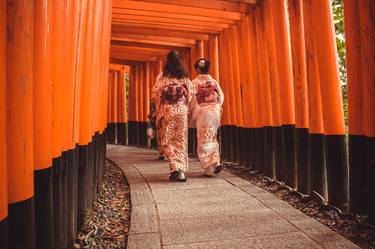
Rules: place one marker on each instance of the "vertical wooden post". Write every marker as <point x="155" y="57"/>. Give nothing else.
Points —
<point x="214" y="56"/>
<point x="43" y="178"/>
<point x="316" y="138"/>
<point x="3" y="131"/>
<point x="286" y="92"/>
<point x="300" y="93"/>
<point x="19" y="92"/>
<point x="121" y="108"/>
<point x="333" y="116"/>
<point x="268" y="166"/>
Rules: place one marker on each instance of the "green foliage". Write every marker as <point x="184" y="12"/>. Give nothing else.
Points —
<point x="338" y="17"/>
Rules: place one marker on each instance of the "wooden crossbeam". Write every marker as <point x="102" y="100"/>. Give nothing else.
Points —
<point x="173" y="8"/>
<point x="235" y="6"/>
<point x="164" y="20"/>
<point x="155" y="38"/>
<point x="156" y="25"/>
<point x="119" y="30"/>
<point x="149" y="13"/>
<point x="175" y="44"/>
<point x="146" y="45"/>
<point x="166" y="27"/>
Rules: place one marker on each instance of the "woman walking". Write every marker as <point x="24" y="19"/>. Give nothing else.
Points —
<point x="172" y="92"/>
<point x="206" y="110"/>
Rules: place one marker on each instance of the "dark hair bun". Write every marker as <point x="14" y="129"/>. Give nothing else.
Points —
<point x="203" y="65"/>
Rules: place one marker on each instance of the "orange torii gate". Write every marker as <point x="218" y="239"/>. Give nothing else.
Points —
<point x="276" y="60"/>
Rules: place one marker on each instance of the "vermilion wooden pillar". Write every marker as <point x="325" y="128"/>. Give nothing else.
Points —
<point x="287" y="106"/>
<point x="121" y="108"/>
<point x="3" y="153"/>
<point x="295" y="8"/>
<point x="267" y="132"/>
<point x="19" y="109"/>
<point x="42" y="101"/>
<point x="360" y="66"/>
<point x="318" y="182"/>
<point x="333" y="116"/>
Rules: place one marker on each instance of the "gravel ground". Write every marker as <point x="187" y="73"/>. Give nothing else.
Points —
<point x="107" y="225"/>
<point x="350" y="226"/>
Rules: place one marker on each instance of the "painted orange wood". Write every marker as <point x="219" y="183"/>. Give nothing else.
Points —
<point x="284" y="63"/>
<point x="236" y="74"/>
<point x="313" y="80"/>
<point x="86" y="90"/>
<point x="121" y="98"/>
<point x="3" y="128"/>
<point x="19" y="96"/>
<point x="214" y="56"/>
<point x="225" y="119"/>
<point x="169" y="8"/>
<point x="367" y="13"/>
<point x="253" y="30"/>
<point x="250" y="70"/>
<point x="146" y="91"/>
<point x="324" y="36"/>
<point x="270" y="33"/>
<point x="299" y="62"/>
<point x="57" y="30"/>
<point x="42" y="92"/>
<point x="265" y="82"/>
<point x="81" y="20"/>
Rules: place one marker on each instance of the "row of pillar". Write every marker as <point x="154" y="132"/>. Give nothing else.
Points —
<point x="283" y="114"/>
<point x="53" y="115"/>
<point x="117" y="105"/>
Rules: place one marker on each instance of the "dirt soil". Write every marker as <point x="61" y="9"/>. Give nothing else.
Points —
<point x="107" y="224"/>
<point x="350" y="226"/>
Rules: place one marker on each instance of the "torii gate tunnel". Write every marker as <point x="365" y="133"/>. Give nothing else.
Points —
<point x="276" y="61"/>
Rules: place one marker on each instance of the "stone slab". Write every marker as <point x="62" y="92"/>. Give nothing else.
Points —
<point x="144" y="240"/>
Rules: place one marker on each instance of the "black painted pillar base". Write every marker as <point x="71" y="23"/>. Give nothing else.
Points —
<point x="279" y="170"/>
<point x="121" y="133"/>
<point x="269" y="151"/>
<point x="251" y="148"/>
<point x="44" y="212"/>
<point x="242" y="145"/>
<point x="289" y="155"/>
<point x="259" y="150"/>
<point x="22" y="224"/>
<point x="337" y="174"/>
<point x="302" y="150"/>
<point x="82" y="184"/>
<point x="58" y="201"/>
<point x="357" y="172"/>
<point x="370" y="158"/>
<point x="223" y="142"/>
<point x="111" y="134"/>
<point x="4" y="243"/>
<point x="317" y="164"/>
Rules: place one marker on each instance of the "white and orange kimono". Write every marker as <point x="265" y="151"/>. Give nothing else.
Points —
<point x="206" y="111"/>
<point x="172" y="97"/>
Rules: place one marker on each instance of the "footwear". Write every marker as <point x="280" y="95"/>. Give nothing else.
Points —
<point x="173" y="176"/>
<point x="161" y="157"/>
<point x="181" y="176"/>
<point x="218" y="169"/>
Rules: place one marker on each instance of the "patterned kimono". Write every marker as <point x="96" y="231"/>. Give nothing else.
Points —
<point x="207" y="113"/>
<point x="172" y="97"/>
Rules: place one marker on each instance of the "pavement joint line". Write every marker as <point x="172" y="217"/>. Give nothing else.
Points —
<point x="303" y="225"/>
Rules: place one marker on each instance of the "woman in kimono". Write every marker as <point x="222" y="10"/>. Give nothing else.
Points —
<point x="206" y="112"/>
<point x="172" y="92"/>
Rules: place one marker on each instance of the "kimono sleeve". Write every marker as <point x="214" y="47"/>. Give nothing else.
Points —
<point x="220" y="92"/>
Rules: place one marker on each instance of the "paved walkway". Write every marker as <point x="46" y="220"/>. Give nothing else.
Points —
<point x="225" y="212"/>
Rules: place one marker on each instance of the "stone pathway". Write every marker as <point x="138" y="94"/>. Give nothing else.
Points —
<point x="224" y="212"/>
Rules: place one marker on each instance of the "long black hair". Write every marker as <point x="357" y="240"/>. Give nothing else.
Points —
<point x="174" y="67"/>
<point x="203" y="65"/>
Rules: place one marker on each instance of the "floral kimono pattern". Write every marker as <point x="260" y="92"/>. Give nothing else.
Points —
<point x="172" y="97"/>
<point x="207" y="113"/>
